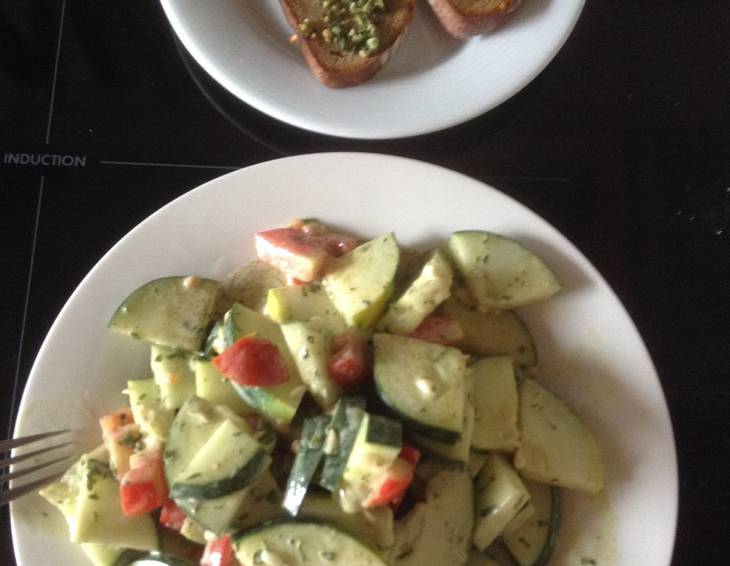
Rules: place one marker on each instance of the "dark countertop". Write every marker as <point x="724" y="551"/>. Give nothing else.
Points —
<point x="622" y="143"/>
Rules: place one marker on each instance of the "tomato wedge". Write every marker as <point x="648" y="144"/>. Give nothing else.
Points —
<point x="172" y="516"/>
<point x="300" y="251"/>
<point x="254" y="362"/>
<point x="143" y="488"/>
<point x="439" y="329"/>
<point x="398" y="477"/>
<point x="219" y="552"/>
<point x="347" y="366"/>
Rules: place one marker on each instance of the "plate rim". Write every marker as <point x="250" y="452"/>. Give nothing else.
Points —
<point x="391" y="130"/>
<point x="661" y="401"/>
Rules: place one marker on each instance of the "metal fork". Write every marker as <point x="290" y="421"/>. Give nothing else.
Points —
<point x="8" y="494"/>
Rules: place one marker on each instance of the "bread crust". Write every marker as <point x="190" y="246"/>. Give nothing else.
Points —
<point x="478" y="20"/>
<point x="343" y="71"/>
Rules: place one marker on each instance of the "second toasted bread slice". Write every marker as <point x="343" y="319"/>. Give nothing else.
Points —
<point x="466" y="18"/>
<point x="345" y="42"/>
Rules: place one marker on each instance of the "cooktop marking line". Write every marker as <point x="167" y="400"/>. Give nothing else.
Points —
<point x="55" y="72"/>
<point x="24" y="319"/>
<point x="185" y="165"/>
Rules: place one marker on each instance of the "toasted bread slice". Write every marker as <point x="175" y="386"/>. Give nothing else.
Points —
<point x="465" y="18"/>
<point x="338" y="66"/>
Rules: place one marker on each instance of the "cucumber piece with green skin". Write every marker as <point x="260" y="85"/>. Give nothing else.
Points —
<point x="555" y="446"/>
<point x="494" y="394"/>
<point x="438" y="532"/>
<point x="346" y="418"/>
<point x="500" y="495"/>
<point x="307" y="461"/>
<point x="215" y="343"/>
<point x="374" y="526"/>
<point x="452" y="454"/>
<point x="229" y="460"/>
<point x="303" y="543"/>
<point x="377" y="444"/>
<point x="500" y="272"/>
<point x="172" y="311"/>
<point x="422" y="382"/>
<point x="492" y="333"/>
<point x="310" y="346"/>
<point x="145" y="401"/>
<point x="213" y="386"/>
<point x="173" y="375"/>
<point x="423" y="295"/>
<point x="278" y="404"/>
<point x="303" y="303"/>
<point x="533" y="543"/>
<point x="361" y="282"/>
<point x="258" y="502"/>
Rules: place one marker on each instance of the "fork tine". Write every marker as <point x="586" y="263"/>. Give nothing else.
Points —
<point x="5" y="462"/>
<point x="11" y="443"/>
<point x="11" y="494"/>
<point x="26" y="471"/>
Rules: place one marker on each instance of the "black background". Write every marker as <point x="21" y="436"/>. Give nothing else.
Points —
<point x="623" y="143"/>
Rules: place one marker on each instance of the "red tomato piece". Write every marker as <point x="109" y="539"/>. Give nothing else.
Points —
<point x="396" y="480"/>
<point x="439" y="329"/>
<point x="300" y="251"/>
<point x="347" y="366"/>
<point x="219" y="552"/>
<point x="114" y="421"/>
<point x="172" y="516"/>
<point x="253" y="361"/>
<point x="143" y="488"/>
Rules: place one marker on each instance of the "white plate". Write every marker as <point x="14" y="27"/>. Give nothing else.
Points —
<point x="590" y="351"/>
<point x="431" y="82"/>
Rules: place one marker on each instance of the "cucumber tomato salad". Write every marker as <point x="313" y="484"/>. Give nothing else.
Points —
<point x="334" y="403"/>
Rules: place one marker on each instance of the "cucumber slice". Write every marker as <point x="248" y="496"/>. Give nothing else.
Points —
<point x="306" y="463"/>
<point x="452" y="454"/>
<point x="168" y="311"/>
<point x="374" y="526"/>
<point x="303" y="303"/>
<point x="211" y="385"/>
<point x="500" y="273"/>
<point x="533" y="543"/>
<point x="492" y="333"/>
<point x="303" y="543"/>
<point x="153" y="419"/>
<point x="194" y="424"/>
<point x="423" y="383"/>
<point x="377" y="445"/>
<point x="310" y="344"/>
<point x="494" y="395"/>
<point x="439" y="532"/>
<point x="229" y="460"/>
<point x="428" y="291"/>
<point x="98" y="517"/>
<point x="101" y="554"/>
<point x="278" y="404"/>
<point x="500" y="495"/>
<point x="360" y="283"/>
<point x="173" y="375"/>
<point x="258" y="502"/>
<point x="556" y="447"/>
<point x="346" y="418"/>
